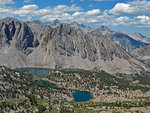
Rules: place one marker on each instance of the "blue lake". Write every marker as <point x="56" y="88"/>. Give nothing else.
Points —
<point x="127" y="79"/>
<point x="40" y="72"/>
<point x="81" y="96"/>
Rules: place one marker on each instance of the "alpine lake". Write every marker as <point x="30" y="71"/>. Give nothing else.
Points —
<point x="79" y="96"/>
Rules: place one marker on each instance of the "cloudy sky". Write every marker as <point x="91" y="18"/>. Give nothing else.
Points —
<point x="122" y="15"/>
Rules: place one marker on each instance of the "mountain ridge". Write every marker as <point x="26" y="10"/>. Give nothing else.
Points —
<point x="63" y="46"/>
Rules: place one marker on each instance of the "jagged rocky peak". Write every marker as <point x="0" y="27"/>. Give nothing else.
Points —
<point x="103" y="28"/>
<point x="18" y="33"/>
<point x="76" y="24"/>
<point x="63" y="31"/>
<point x="65" y="28"/>
<point x="54" y="23"/>
<point x="8" y="20"/>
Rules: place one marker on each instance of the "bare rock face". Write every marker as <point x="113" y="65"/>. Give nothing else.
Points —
<point x="142" y="53"/>
<point x="70" y="48"/>
<point x="23" y="36"/>
<point x="18" y="34"/>
<point x="4" y="34"/>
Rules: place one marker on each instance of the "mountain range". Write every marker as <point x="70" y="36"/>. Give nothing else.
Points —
<point x="129" y="42"/>
<point x="37" y="44"/>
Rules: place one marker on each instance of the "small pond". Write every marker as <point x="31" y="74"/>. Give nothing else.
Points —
<point x="81" y="96"/>
<point x="40" y="72"/>
<point x="127" y="79"/>
<point x="46" y="83"/>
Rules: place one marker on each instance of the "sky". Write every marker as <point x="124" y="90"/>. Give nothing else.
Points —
<point x="129" y="16"/>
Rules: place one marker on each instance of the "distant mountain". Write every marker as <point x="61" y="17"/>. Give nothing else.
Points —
<point x="22" y="45"/>
<point x="54" y="23"/>
<point x="140" y="37"/>
<point x="80" y="27"/>
<point x="102" y="30"/>
<point x="125" y="41"/>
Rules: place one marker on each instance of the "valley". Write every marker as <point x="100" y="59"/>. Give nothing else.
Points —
<point x="72" y="68"/>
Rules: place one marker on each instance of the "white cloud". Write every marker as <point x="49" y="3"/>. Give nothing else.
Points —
<point x="89" y="16"/>
<point x="64" y="8"/>
<point x="93" y="12"/>
<point x="143" y="18"/>
<point x="139" y="21"/>
<point x="26" y="10"/>
<point x="137" y="7"/>
<point x="3" y="2"/>
<point x="123" y="9"/>
<point x="5" y="10"/>
<point x="29" y="7"/>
